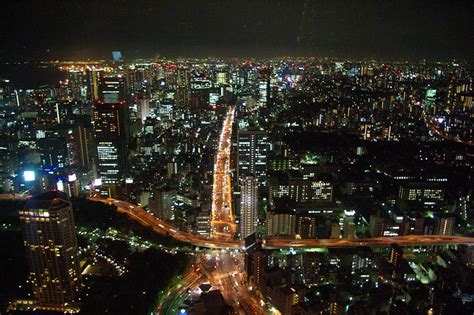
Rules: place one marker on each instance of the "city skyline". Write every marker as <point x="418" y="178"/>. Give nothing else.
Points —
<point x="264" y="182"/>
<point x="237" y="157"/>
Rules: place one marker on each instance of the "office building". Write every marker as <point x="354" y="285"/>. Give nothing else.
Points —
<point x="264" y="92"/>
<point x="51" y="250"/>
<point x="252" y="154"/>
<point x="111" y="130"/>
<point x="300" y="190"/>
<point x="258" y="265"/>
<point x="80" y="143"/>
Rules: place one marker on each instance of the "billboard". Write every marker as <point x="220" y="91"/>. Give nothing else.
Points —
<point x="29" y="176"/>
<point x="117" y="55"/>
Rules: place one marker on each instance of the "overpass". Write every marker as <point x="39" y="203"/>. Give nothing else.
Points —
<point x="141" y="216"/>
<point x="406" y="240"/>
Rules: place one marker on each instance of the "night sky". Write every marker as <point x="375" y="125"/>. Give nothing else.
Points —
<point x="412" y="29"/>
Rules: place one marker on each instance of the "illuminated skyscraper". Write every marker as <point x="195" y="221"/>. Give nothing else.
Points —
<point x="91" y="81"/>
<point x="80" y="142"/>
<point x="252" y="154"/>
<point x="248" y="206"/>
<point x="8" y="96"/>
<point x="183" y="87"/>
<point x="51" y="250"/>
<point x="445" y="226"/>
<point x="395" y="255"/>
<point x="111" y="116"/>
<point x="76" y="86"/>
<point x="430" y="101"/>
<point x="264" y="92"/>
<point x="143" y="108"/>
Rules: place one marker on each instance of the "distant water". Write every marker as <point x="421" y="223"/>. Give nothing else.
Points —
<point x="29" y="76"/>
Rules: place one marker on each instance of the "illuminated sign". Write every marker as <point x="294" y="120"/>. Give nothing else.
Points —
<point x="349" y="213"/>
<point x="117" y="55"/>
<point x="60" y="185"/>
<point x="72" y="178"/>
<point x="29" y="176"/>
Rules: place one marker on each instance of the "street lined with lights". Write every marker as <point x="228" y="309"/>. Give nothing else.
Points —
<point x="222" y="216"/>
<point x="141" y="216"/>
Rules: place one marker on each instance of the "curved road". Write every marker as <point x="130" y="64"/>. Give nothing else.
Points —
<point x="139" y="214"/>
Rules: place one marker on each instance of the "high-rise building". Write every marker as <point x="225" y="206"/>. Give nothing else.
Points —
<point x="91" y="81"/>
<point x="264" y="92"/>
<point x="221" y="78"/>
<point x="72" y="186"/>
<point x="248" y="206"/>
<point x="80" y="143"/>
<point x="252" y="154"/>
<point x="111" y="116"/>
<point x="183" y="87"/>
<point x="258" y="264"/>
<point x="143" y="108"/>
<point x="164" y="204"/>
<point x="6" y="152"/>
<point x="51" y="250"/>
<point x="75" y="84"/>
<point x="112" y="89"/>
<point x="199" y="93"/>
<point x="8" y="96"/>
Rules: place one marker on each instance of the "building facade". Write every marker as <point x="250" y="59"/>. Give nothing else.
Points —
<point x="248" y="206"/>
<point x="111" y="129"/>
<point x="51" y="250"/>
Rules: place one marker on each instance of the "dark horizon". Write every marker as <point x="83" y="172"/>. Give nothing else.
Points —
<point x="411" y="30"/>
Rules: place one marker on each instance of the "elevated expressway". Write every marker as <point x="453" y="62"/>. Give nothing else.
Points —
<point x="140" y="215"/>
